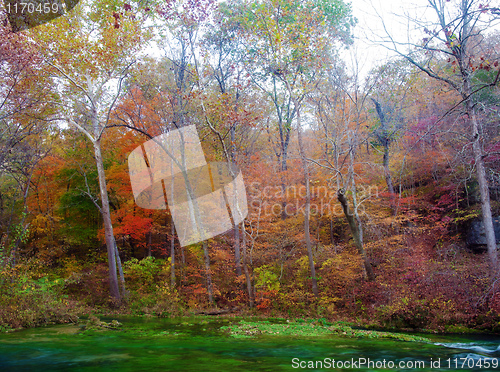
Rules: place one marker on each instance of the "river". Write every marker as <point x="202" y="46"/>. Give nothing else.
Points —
<point x="153" y="344"/>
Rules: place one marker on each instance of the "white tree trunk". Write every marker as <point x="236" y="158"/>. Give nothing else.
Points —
<point x="108" y="226"/>
<point x="485" y="195"/>
<point x="307" y="208"/>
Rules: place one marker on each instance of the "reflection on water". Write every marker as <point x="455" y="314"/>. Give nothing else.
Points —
<point x="198" y="345"/>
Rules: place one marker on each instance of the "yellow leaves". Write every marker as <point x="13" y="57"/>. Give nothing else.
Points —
<point x="87" y="41"/>
<point x="290" y="32"/>
<point x="41" y="224"/>
<point x="303" y="263"/>
<point x="267" y="277"/>
<point x="329" y="303"/>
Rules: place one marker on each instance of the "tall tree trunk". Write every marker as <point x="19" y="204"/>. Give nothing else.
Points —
<point x="108" y="226"/>
<point x="385" y="140"/>
<point x="356" y="234"/>
<point x="387" y="172"/>
<point x="149" y="238"/>
<point x="248" y="280"/>
<point x="484" y="191"/>
<point x="120" y="271"/>
<point x="237" y="249"/>
<point x="208" y="273"/>
<point x="332" y="239"/>
<point x="21" y="233"/>
<point x="196" y="219"/>
<point x="307" y="206"/>
<point x="485" y="195"/>
<point x="283" y="184"/>
<point x="182" y="267"/>
<point x="172" y="234"/>
<point x="284" y="132"/>
<point x="236" y="229"/>
<point x="172" y="253"/>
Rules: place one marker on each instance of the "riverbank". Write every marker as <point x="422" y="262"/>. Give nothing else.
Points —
<point x="31" y="299"/>
<point x="50" y="311"/>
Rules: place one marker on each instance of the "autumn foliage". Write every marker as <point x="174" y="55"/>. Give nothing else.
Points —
<point x="238" y="79"/>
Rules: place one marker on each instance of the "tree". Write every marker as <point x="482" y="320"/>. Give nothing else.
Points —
<point x="451" y="52"/>
<point x="25" y="113"/>
<point x="282" y="40"/>
<point x="181" y="22"/>
<point x="89" y="52"/>
<point x="391" y="86"/>
<point x="288" y="43"/>
<point x="230" y="107"/>
<point x="342" y="117"/>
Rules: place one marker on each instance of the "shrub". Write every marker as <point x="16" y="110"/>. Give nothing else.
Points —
<point x="28" y="302"/>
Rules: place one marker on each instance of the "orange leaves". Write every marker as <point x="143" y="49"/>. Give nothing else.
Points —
<point x="137" y="110"/>
<point x="119" y="180"/>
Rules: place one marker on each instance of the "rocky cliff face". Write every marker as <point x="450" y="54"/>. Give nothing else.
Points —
<point x="476" y="238"/>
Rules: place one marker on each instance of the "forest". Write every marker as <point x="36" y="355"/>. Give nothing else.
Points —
<point x="373" y="197"/>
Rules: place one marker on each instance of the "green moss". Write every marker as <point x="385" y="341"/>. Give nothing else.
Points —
<point x="95" y="324"/>
<point x="459" y="329"/>
<point x="300" y="328"/>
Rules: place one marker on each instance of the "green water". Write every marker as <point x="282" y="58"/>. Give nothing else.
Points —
<point x="198" y="345"/>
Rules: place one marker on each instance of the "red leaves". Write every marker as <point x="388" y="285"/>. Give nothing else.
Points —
<point x="191" y="12"/>
<point x="116" y="17"/>
<point x="134" y="226"/>
<point x="484" y="64"/>
<point x="484" y="8"/>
